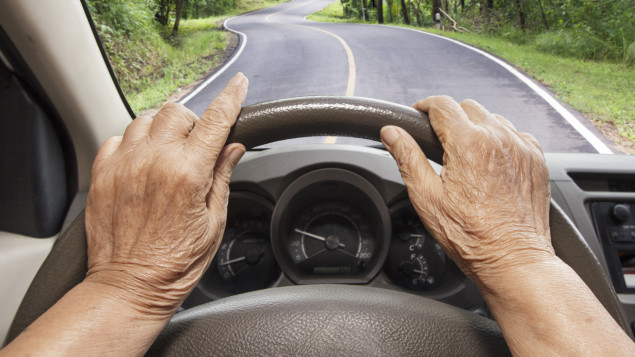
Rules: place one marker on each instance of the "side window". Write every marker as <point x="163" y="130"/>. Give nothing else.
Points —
<point x="159" y="49"/>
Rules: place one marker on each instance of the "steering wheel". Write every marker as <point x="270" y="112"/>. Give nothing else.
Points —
<point x="321" y="319"/>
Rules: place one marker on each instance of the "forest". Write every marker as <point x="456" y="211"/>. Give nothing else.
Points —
<point x="586" y="29"/>
<point x="584" y="50"/>
<point x="156" y="47"/>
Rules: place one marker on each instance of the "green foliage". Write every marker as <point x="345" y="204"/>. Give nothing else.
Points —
<point x="580" y="44"/>
<point x="148" y="62"/>
<point x="587" y="29"/>
<point x="600" y="90"/>
<point x="119" y="17"/>
<point x="205" y="8"/>
<point x="629" y="56"/>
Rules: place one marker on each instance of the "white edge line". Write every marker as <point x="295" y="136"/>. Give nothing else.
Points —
<point x="570" y="118"/>
<point x="235" y="56"/>
<point x="243" y="42"/>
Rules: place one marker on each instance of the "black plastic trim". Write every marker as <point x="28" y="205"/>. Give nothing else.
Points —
<point x="105" y="57"/>
<point x="34" y="89"/>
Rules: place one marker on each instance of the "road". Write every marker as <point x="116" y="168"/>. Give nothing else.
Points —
<point x="284" y="56"/>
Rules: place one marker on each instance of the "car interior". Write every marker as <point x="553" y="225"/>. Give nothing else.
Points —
<point x="315" y="232"/>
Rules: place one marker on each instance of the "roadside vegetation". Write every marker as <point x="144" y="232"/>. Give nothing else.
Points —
<point x="155" y="47"/>
<point x="583" y="49"/>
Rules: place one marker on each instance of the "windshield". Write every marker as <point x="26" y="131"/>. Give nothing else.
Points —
<point x="554" y="70"/>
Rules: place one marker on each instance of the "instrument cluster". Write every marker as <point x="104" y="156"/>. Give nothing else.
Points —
<point x="327" y="226"/>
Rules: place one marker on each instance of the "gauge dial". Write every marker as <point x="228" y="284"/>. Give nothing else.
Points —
<point x="415" y="261"/>
<point x="331" y="238"/>
<point x="245" y="259"/>
<point x="330" y="226"/>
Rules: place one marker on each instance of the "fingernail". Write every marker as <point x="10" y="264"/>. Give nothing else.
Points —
<point x="236" y="154"/>
<point x="237" y="80"/>
<point x="389" y="135"/>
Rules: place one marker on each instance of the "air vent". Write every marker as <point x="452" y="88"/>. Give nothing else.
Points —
<point x="604" y="182"/>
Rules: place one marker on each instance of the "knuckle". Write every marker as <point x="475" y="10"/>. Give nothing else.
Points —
<point x="173" y="107"/>
<point x="219" y="117"/>
<point x="470" y="103"/>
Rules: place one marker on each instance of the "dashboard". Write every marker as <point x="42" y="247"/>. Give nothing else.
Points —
<point x="340" y="214"/>
<point x="327" y="214"/>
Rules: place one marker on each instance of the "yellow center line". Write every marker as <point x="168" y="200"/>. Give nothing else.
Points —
<point x="352" y="69"/>
<point x="350" y="87"/>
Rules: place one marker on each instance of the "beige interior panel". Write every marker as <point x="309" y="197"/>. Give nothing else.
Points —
<point x="55" y="40"/>
<point x="20" y="259"/>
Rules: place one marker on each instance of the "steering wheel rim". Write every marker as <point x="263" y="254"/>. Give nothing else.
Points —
<point x="263" y="123"/>
<point x="266" y="122"/>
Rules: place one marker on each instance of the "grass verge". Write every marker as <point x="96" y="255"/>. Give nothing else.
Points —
<point x="603" y="91"/>
<point x="152" y="67"/>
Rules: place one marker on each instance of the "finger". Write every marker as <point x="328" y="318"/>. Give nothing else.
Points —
<point x="136" y="131"/>
<point x="478" y="114"/>
<point x="212" y="129"/>
<point x="173" y="121"/>
<point x="219" y="193"/>
<point x="531" y="140"/>
<point x="107" y="149"/>
<point x="501" y="119"/>
<point x="446" y="117"/>
<point x="423" y="184"/>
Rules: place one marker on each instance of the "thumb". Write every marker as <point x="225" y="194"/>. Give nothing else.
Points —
<point x="218" y="195"/>
<point x="424" y="185"/>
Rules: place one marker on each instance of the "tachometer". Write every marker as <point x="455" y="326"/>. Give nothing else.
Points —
<point x="245" y="259"/>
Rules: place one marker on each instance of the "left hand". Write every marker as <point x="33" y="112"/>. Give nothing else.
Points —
<point x="157" y="204"/>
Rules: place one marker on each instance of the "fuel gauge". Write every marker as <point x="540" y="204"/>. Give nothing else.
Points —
<point x="415" y="261"/>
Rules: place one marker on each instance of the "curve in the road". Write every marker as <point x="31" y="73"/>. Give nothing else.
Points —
<point x="570" y="118"/>
<point x="241" y="47"/>
<point x="401" y="68"/>
<point x="352" y="70"/>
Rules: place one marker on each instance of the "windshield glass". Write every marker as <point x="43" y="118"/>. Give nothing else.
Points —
<point x="561" y="70"/>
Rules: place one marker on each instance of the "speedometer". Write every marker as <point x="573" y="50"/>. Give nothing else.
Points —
<point x="330" y="226"/>
<point x="331" y="238"/>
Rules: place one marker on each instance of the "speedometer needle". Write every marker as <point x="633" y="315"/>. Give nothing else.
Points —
<point x="236" y="260"/>
<point x="315" y="236"/>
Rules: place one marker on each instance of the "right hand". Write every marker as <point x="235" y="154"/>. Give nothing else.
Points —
<point x="489" y="208"/>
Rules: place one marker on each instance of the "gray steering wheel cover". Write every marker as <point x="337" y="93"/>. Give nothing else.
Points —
<point x="329" y="320"/>
<point x="65" y="267"/>
<point x="264" y="123"/>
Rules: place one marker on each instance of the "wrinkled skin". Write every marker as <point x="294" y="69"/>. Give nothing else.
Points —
<point x="489" y="208"/>
<point x="157" y="203"/>
<point x="156" y="212"/>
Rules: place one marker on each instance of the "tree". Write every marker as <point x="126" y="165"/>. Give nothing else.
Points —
<point x="416" y="9"/>
<point x="389" y="8"/>
<point x="380" y="11"/>
<point x="404" y="12"/>
<point x="544" y="18"/>
<point x="436" y="4"/>
<point x="163" y="11"/>
<point x="177" y="15"/>
<point x="521" y="15"/>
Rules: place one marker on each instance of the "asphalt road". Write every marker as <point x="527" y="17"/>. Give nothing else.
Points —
<point x="286" y="56"/>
